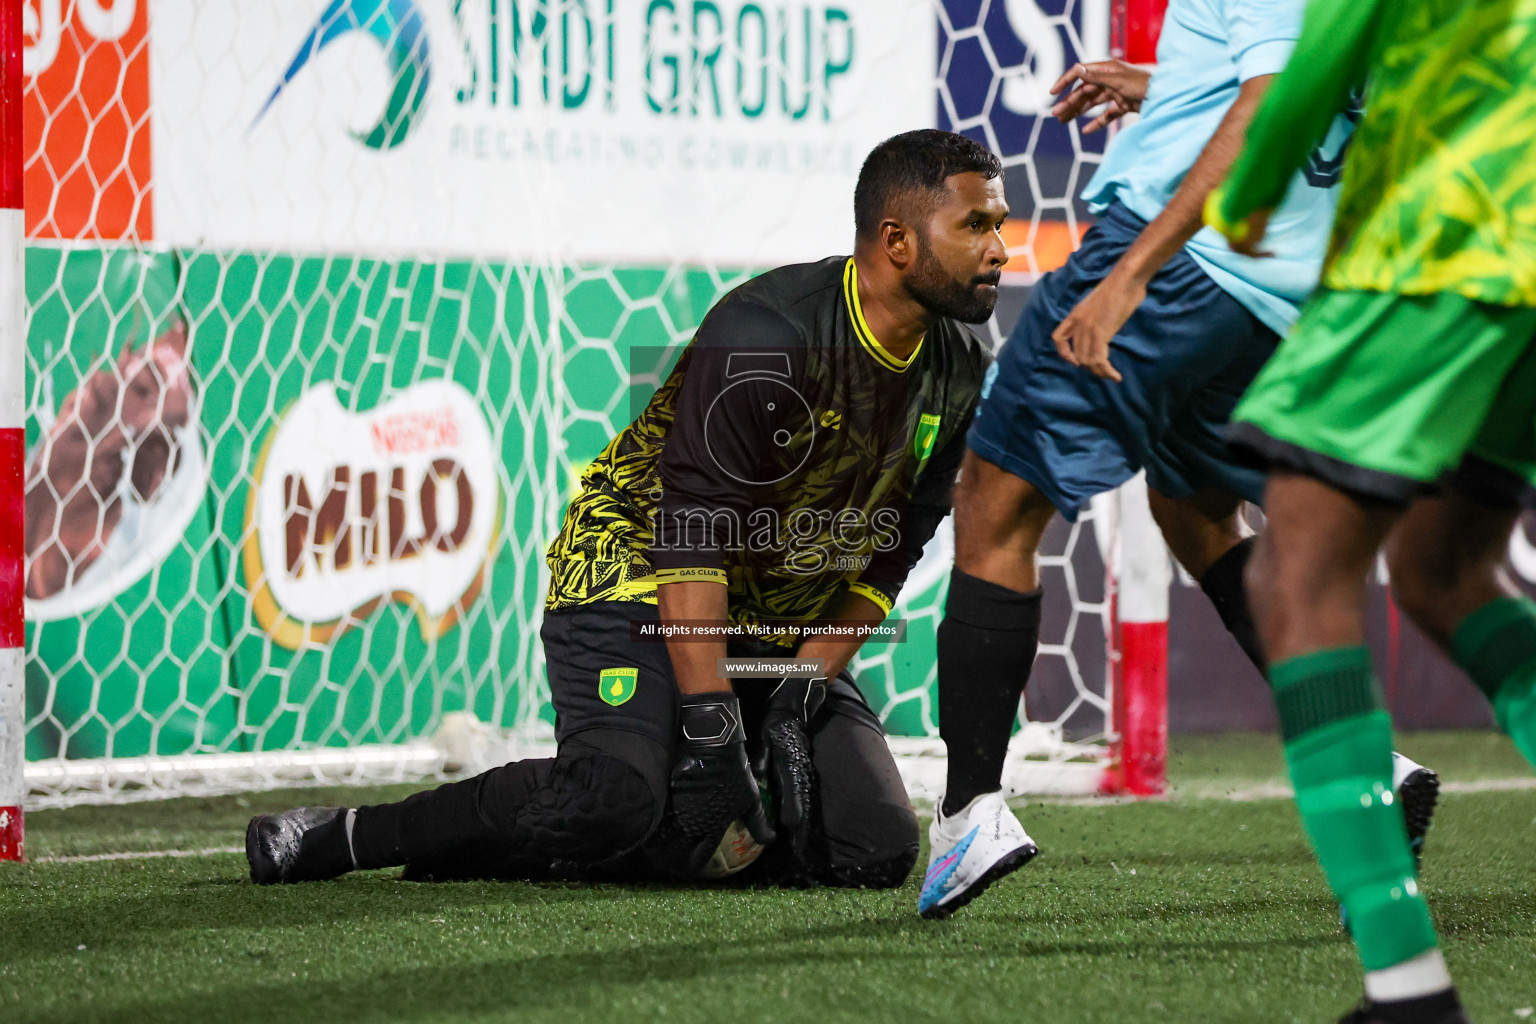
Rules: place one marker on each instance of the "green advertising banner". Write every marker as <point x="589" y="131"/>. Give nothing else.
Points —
<point x="125" y="651"/>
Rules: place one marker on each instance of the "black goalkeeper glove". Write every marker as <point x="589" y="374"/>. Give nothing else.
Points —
<point x="785" y="760"/>
<point x="712" y="784"/>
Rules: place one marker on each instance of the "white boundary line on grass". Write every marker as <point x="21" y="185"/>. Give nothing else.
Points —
<point x="93" y="858"/>
<point x="1277" y="791"/>
<point x="1247" y="795"/>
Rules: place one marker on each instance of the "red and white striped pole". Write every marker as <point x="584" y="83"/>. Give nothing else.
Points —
<point x="1143" y="574"/>
<point x="1139" y="562"/>
<point x="12" y="438"/>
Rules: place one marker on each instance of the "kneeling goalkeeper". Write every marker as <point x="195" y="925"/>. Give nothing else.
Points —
<point x="787" y="474"/>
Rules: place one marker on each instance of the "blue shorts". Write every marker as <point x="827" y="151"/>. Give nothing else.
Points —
<point x="1186" y="356"/>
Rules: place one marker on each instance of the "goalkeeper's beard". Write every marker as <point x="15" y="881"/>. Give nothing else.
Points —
<point x="942" y="295"/>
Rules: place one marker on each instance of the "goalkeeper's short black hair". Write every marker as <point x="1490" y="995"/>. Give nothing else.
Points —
<point x="910" y="169"/>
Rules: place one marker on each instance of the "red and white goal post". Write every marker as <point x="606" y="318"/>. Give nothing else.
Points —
<point x="1144" y="570"/>
<point x="12" y="443"/>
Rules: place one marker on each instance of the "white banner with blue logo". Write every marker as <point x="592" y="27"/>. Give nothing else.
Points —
<point x="719" y="131"/>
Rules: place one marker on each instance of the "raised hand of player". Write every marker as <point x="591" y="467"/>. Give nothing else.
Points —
<point x="1245" y="236"/>
<point x="786" y="758"/>
<point x="1249" y="238"/>
<point x="1083" y="337"/>
<point x="712" y="783"/>
<point x="1118" y="86"/>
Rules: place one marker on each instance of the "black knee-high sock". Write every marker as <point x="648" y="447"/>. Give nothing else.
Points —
<point x="987" y="645"/>
<point x="1223" y="584"/>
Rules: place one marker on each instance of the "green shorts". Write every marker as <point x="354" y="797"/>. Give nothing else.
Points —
<point x="1389" y="395"/>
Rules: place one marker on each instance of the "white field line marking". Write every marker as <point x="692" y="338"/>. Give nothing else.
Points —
<point x="1280" y="791"/>
<point x="1487" y="785"/>
<point x="93" y="858"/>
<point x="1267" y="791"/>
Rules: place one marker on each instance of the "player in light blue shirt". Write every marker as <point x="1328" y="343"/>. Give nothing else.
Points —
<point x="1130" y="357"/>
<point x="1206" y="51"/>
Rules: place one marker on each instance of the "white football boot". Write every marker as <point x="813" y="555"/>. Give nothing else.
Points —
<point x="1418" y="790"/>
<point x="970" y="850"/>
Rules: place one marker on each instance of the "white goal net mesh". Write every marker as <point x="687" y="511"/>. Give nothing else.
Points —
<point x="330" y="301"/>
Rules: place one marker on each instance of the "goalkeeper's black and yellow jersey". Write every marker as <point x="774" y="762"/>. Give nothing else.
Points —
<point x="787" y="455"/>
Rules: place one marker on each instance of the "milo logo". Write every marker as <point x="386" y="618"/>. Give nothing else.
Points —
<point x="348" y="510"/>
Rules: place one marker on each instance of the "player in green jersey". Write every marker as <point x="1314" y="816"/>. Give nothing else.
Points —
<point x="1403" y="404"/>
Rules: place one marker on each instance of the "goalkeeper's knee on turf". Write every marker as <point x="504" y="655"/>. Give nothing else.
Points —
<point x="1496" y="646"/>
<point x="1338" y="743"/>
<point x="594" y="807"/>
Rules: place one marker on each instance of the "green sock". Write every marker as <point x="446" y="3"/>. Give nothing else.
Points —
<point x="1338" y="743"/>
<point x="1496" y="645"/>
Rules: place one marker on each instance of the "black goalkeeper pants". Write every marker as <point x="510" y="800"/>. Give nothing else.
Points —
<point x="591" y="809"/>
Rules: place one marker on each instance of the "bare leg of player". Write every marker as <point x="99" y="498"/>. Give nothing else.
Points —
<point x="987" y="645"/>
<point x="1447" y="561"/>
<point x="1207" y="534"/>
<point x="1201" y="528"/>
<point x="1307" y="585"/>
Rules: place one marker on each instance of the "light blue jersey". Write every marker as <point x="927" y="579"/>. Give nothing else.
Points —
<point x="1207" y="49"/>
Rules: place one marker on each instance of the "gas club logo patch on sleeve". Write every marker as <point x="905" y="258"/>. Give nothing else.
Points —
<point x="617" y="685"/>
<point x="349" y="510"/>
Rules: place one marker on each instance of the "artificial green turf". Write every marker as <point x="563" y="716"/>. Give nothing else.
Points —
<point x="1180" y="910"/>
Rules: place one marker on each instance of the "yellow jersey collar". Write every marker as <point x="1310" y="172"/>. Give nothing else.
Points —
<point x="861" y="328"/>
